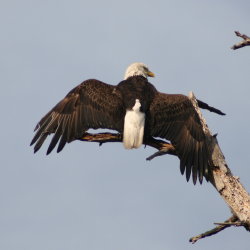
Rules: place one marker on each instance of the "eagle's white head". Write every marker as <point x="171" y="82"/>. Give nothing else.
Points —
<point x="138" y="69"/>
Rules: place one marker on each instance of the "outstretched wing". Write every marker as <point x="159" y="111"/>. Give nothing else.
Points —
<point x="174" y="118"/>
<point x="92" y="104"/>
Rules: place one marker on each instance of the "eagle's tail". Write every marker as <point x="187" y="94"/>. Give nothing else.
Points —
<point x="133" y="127"/>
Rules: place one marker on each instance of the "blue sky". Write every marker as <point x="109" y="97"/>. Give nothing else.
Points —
<point x="91" y="197"/>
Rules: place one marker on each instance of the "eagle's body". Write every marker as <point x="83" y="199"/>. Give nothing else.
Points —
<point x="137" y="94"/>
<point x="134" y="108"/>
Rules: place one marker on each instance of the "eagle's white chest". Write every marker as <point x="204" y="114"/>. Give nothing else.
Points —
<point x="133" y="127"/>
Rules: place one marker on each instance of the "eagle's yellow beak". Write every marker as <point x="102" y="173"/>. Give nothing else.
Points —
<point x="150" y="74"/>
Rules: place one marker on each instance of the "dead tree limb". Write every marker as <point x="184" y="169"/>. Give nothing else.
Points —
<point x="243" y="43"/>
<point x="228" y="186"/>
<point x="163" y="146"/>
<point x="215" y="230"/>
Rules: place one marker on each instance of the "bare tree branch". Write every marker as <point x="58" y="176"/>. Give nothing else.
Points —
<point x="163" y="146"/>
<point x="215" y="230"/>
<point x="228" y="186"/>
<point x="243" y="43"/>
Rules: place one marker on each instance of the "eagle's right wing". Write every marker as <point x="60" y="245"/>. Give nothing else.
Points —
<point x="173" y="117"/>
<point x="92" y="104"/>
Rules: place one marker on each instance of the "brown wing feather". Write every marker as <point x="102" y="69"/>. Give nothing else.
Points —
<point x="174" y="118"/>
<point x="92" y="104"/>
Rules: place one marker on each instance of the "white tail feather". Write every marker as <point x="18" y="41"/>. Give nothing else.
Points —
<point x="133" y="127"/>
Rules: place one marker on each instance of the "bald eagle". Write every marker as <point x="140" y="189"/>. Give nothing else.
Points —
<point x="137" y="110"/>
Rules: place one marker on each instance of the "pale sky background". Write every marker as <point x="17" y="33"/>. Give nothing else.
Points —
<point x="108" y="198"/>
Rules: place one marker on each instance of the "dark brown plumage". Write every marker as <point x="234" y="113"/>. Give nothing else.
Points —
<point x="173" y="117"/>
<point x="94" y="104"/>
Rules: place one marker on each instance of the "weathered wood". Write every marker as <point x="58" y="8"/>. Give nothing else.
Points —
<point x="228" y="186"/>
<point x="163" y="146"/>
<point x="243" y="43"/>
<point x="215" y="230"/>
